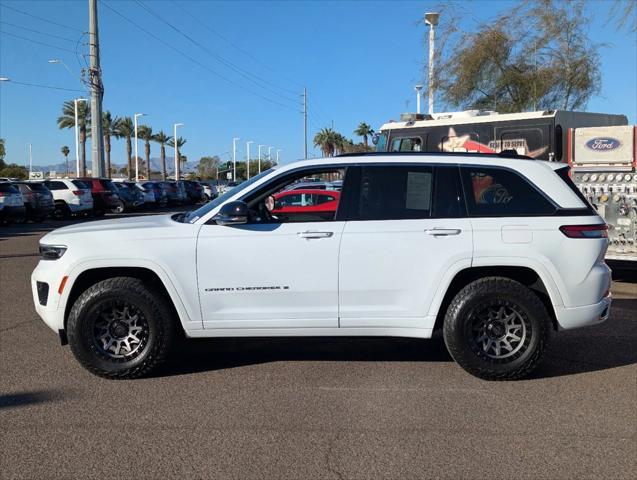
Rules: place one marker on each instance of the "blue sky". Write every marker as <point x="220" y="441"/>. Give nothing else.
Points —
<point x="359" y="61"/>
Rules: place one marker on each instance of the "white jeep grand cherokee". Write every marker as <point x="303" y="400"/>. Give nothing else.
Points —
<point x="495" y="251"/>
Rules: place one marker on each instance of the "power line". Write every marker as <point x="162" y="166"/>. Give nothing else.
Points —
<point x="247" y="75"/>
<point x="43" y="86"/>
<point x="40" y="18"/>
<point x="245" y="52"/>
<point x="38" y="32"/>
<point x="194" y="60"/>
<point x="35" y="41"/>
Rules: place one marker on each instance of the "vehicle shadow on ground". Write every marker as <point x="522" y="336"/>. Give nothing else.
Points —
<point x="23" y="399"/>
<point x="605" y="346"/>
<point x="191" y="356"/>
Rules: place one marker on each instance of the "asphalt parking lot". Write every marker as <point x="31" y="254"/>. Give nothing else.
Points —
<point x="312" y="408"/>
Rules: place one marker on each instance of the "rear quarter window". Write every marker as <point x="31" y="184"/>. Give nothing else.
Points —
<point x="56" y="185"/>
<point x="499" y="192"/>
<point x="8" y="188"/>
<point x="80" y="184"/>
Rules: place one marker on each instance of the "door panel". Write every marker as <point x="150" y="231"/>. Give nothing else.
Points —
<point x="269" y="275"/>
<point x="390" y="269"/>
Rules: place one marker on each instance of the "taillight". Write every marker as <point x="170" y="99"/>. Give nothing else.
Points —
<point x="77" y="192"/>
<point x="585" y="231"/>
<point x="2" y="194"/>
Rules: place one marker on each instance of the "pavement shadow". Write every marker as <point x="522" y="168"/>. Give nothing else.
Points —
<point x="23" y="399"/>
<point x="192" y="356"/>
<point x="601" y="347"/>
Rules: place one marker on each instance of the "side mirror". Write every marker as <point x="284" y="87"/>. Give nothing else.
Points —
<point x="232" y="213"/>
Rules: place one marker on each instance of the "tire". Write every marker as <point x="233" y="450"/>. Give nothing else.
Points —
<point x="97" y="339"/>
<point x="120" y="207"/>
<point x="62" y="211"/>
<point x="496" y="329"/>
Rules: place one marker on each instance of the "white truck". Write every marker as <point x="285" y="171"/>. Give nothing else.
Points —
<point x="415" y="243"/>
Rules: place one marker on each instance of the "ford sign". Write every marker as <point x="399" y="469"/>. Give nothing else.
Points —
<point x="603" y="144"/>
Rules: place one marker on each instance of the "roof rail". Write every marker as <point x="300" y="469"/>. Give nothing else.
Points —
<point x="503" y="154"/>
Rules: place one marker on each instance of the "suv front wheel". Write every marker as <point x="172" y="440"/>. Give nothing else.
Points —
<point x="119" y="328"/>
<point x="496" y="329"/>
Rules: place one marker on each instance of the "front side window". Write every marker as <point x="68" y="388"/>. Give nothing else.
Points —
<point x="393" y="193"/>
<point x="500" y="192"/>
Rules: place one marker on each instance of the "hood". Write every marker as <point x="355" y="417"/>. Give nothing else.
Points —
<point x="111" y="228"/>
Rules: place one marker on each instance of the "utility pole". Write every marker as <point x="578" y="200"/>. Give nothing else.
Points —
<point x="431" y="19"/>
<point x="277" y="154"/>
<point x="248" y="158"/>
<point x="136" y="154"/>
<point x="97" y="93"/>
<point x="305" y="123"/>
<point x="234" y="158"/>
<point x="260" y="146"/>
<point x="30" y="161"/>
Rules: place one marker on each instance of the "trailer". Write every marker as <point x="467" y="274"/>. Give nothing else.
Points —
<point x="600" y="148"/>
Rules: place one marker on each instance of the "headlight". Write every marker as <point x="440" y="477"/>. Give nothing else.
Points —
<point x="51" y="252"/>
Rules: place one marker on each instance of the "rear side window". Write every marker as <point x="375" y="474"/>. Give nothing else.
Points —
<point x="563" y="173"/>
<point x="393" y="193"/>
<point x="8" y="188"/>
<point x="56" y="185"/>
<point x="498" y="192"/>
<point x="448" y="201"/>
<point x="38" y="187"/>
<point x="107" y="184"/>
<point x="80" y="184"/>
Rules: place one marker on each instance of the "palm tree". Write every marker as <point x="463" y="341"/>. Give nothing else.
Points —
<point x="65" y="151"/>
<point x="180" y="143"/>
<point x="146" y="134"/>
<point x="162" y="139"/>
<point x="67" y="120"/>
<point x="364" y="131"/>
<point x="108" y="129"/>
<point x="124" y="128"/>
<point x="328" y="141"/>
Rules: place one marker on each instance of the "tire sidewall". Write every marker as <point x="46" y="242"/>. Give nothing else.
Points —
<point x="81" y="338"/>
<point x="458" y="325"/>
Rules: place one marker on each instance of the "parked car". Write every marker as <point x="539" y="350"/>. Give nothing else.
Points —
<point x="306" y="205"/>
<point x="174" y="194"/>
<point x="105" y="198"/>
<point x="193" y="190"/>
<point x="316" y="186"/>
<point x="11" y="203"/>
<point x="129" y="197"/>
<point x="38" y="200"/>
<point x="210" y="190"/>
<point x="154" y="193"/>
<point x="424" y="242"/>
<point x="70" y="197"/>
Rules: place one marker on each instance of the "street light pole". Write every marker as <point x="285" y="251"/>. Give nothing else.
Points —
<point x="234" y="158"/>
<point x="431" y="19"/>
<point x="30" y="162"/>
<point x="277" y="154"/>
<point x="136" y="156"/>
<point x="260" y="146"/>
<point x="418" y="88"/>
<point x="269" y="154"/>
<point x="77" y="140"/>
<point x="248" y="158"/>
<point x="177" y="173"/>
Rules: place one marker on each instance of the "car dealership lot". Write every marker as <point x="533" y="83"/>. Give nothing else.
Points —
<point x="312" y="408"/>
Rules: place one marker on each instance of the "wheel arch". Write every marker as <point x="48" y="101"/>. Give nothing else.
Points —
<point x="525" y="275"/>
<point x="89" y="276"/>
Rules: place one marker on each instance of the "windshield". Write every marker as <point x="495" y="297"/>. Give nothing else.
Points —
<point x="195" y="215"/>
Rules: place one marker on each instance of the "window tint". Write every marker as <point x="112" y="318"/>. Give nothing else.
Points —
<point x="107" y="184"/>
<point x="448" y="202"/>
<point x="393" y="193"/>
<point x="80" y="184"/>
<point x="8" y="188"/>
<point x="500" y="192"/>
<point x="325" y="198"/>
<point x="56" y="186"/>
<point x="38" y="187"/>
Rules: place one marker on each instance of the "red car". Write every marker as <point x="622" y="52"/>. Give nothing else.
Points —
<point x="306" y="205"/>
<point x="104" y="194"/>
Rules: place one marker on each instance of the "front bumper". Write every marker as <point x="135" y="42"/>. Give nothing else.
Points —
<point x="48" y="272"/>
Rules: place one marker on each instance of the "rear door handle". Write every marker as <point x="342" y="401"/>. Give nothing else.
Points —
<point x="315" y="234"/>
<point x="443" y="232"/>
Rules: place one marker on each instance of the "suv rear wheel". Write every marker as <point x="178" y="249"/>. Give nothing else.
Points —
<point x="118" y="328"/>
<point x="496" y="329"/>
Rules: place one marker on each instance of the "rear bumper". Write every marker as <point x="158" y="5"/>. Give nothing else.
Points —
<point x="576" y="317"/>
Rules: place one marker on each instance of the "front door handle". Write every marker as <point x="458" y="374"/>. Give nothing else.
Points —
<point x="443" y="232"/>
<point x="315" y="234"/>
